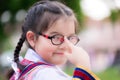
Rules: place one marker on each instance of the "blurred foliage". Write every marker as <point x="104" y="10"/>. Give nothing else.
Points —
<point x="115" y="15"/>
<point x="75" y="6"/>
<point x="111" y="73"/>
<point x="13" y="6"/>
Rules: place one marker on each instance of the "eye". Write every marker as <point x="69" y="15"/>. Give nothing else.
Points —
<point x="58" y="38"/>
<point x="74" y="39"/>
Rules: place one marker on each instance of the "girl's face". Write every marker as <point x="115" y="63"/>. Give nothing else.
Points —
<point x="55" y="54"/>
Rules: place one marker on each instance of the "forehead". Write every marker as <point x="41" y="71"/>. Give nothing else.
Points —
<point x="64" y="25"/>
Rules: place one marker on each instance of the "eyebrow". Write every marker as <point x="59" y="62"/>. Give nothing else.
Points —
<point x="60" y="33"/>
<point x="54" y="33"/>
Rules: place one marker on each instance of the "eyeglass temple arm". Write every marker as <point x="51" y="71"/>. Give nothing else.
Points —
<point x="46" y="36"/>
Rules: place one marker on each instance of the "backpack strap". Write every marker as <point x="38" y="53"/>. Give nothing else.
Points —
<point x="29" y="67"/>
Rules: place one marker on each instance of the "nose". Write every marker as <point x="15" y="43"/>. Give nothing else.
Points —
<point x="66" y="45"/>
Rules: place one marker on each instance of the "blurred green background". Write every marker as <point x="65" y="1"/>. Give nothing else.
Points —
<point x="99" y="31"/>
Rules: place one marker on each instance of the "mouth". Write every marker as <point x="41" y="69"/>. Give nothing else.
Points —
<point x="59" y="53"/>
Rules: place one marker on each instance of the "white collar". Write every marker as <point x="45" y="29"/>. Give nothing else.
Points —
<point x="33" y="56"/>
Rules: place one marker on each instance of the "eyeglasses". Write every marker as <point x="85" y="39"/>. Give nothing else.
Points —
<point x="58" y="39"/>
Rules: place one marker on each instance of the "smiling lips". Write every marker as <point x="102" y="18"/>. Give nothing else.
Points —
<point x="59" y="53"/>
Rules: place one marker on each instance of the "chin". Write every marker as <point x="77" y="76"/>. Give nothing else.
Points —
<point x="61" y="62"/>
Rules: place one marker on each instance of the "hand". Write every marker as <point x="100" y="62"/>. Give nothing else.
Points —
<point x="78" y="56"/>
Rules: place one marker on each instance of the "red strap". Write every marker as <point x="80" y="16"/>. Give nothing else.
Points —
<point x="31" y="66"/>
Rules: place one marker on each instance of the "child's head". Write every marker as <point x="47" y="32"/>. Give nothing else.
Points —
<point x="48" y="27"/>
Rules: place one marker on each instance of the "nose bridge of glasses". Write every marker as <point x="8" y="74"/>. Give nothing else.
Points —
<point x="62" y="39"/>
<point x="66" y="39"/>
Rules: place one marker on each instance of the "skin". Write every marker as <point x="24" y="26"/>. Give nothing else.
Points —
<point x="61" y="53"/>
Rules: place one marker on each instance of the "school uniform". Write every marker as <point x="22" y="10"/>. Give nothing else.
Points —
<point x="48" y="71"/>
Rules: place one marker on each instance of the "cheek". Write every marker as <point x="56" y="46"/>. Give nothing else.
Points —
<point x="45" y="47"/>
<point x="46" y="52"/>
<point x="48" y="49"/>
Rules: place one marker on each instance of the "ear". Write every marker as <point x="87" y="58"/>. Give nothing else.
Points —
<point x="31" y="38"/>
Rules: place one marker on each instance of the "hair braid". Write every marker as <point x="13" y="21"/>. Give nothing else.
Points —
<point x="18" y="48"/>
<point x="16" y="56"/>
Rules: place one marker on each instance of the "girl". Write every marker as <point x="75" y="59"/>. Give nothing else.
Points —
<point x="50" y="31"/>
